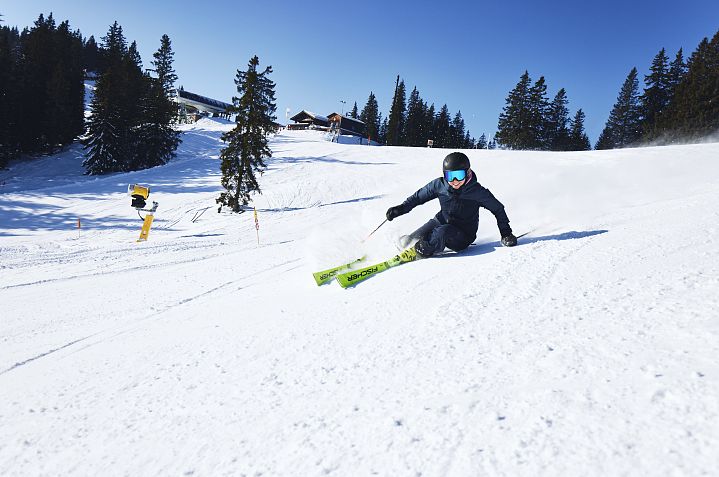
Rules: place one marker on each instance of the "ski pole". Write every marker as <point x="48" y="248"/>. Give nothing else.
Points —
<point x="375" y="230"/>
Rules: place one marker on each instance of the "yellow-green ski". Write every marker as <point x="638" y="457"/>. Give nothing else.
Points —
<point x="353" y="277"/>
<point x="325" y="276"/>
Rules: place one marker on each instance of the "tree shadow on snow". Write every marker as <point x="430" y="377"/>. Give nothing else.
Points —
<point x="482" y="248"/>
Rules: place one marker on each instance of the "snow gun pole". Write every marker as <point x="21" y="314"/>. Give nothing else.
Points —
<point x="375" y="230"/>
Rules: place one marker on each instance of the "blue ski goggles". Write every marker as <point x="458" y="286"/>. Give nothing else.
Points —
<point x="459" y="175"/>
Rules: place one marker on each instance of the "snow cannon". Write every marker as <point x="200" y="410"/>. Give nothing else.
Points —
<point x="139" y="194"/>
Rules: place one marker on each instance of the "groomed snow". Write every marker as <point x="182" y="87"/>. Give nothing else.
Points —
<point x="589" y="349"/>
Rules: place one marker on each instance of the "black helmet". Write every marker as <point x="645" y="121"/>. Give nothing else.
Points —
<point x="455" y="161"/>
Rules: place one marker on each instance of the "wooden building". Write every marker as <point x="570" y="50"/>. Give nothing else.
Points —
<point x="346" y="125"/>
<point x="309" y="120"/>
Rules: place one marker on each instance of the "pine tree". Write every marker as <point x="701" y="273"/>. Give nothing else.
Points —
<point x="157" y="138"/>
<point x="456" y="132"/>
<point x="10" y="95"/>
<point x="442" y="137"/>
<point x="657" y="93"/>
<point x="397" y="115"/>
<point x="694" y="110"/>
<point x="513" y="129"/>
<point x="677" y="72"/>
<point x="382" y="133"/>
<point x="482" y="142"/>
<point x="557" y="133"/>
<point x="354" y="114"/>
<point x="110" y="142"/>
<point x="415" y="134"/>
<point x="64" y="116"/>
<point x="428" y="126"/>
<point x="623" y="126"/>
<point x="91" y="55"/>
<point x="371" y="118"/>
<point x="538" y="111"/>
<point x="469" y="142"/>
<point x="247" y="143"/>
<point x="578" y="140"/>
<point x="37" y="66"/>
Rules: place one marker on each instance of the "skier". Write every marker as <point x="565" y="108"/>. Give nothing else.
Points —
<point x="460" y="197"/>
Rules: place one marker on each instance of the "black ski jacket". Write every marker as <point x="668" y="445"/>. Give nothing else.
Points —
<point x="461" y="207"/>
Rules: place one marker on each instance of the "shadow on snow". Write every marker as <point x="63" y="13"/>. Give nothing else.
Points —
<point x="481" y="249"/>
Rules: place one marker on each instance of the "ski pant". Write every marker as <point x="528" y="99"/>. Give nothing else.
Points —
<point x="438" y="236"/>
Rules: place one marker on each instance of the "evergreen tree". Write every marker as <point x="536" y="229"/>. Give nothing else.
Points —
<point x="247" y="144"/>
<point x="64" y="117"/>
<point x="456" y="132"/>
<point x="37" y="66"/>
<point x="624" y="123"/>
<point x="157" y="138"/>
<point x="578" y="140"/>
<point x="442" y="137"/>
<point x="397" y="115"/>
<point x="415" y="134"/>
<point x="677" y="72"/>
<point x="538" y="113"/>
<point x="382" y="134"/>
<point x="91" y="55"/>
<point x="109" y="142"/>
<point x="371" y="118"/>
<point x="354" y="114"/>
<point x="557" y="132"/>
<point x="469" y="142"/>
<point x="428" y="126"/>
<point x="694" y="110"/>
<point x="482" y="142"/>
<point x="9" y="95"/>
<point x="657" y="92"/>
<point x="513" y="129"/>
<point x="492" y="144"/>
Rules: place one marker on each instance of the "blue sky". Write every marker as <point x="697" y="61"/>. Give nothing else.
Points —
<point x="468" y="55"/>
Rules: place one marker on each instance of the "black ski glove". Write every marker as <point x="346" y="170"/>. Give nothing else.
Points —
<point x="509" y="240"/>
<point x="396" y="211"/>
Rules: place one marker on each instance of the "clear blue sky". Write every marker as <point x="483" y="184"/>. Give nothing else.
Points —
<point x="468" y="55"/>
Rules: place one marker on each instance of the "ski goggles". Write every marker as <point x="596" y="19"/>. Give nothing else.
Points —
<point x="459" y="175"/>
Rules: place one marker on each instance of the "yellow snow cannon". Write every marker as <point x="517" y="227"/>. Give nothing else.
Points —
<point x="139" y="194"/>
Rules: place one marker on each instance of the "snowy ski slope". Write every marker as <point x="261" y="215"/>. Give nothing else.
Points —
<point x="589" y="349"/>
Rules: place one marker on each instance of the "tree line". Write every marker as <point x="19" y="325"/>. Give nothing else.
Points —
<point x="529" y="121"/>
<point x="42" y="97"/>
<point x="41" y="88"/>
<point x="130" y="126"/>
<point x="679" y="103"/>
<point x="411" y="122"/>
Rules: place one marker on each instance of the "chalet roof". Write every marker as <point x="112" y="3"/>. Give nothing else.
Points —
<point x="346" y="118"/>
<point x="304" y="114"/>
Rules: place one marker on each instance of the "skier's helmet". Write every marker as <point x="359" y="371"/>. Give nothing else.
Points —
<point x="455" y="161"/>
<point x="455" y="166"/>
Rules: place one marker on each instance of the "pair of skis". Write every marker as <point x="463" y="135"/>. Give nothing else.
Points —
<point x="347" y="276"/>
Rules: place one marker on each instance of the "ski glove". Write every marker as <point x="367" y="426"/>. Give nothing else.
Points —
<point x="509" y="240"/>
<point x="396" y="211"/>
